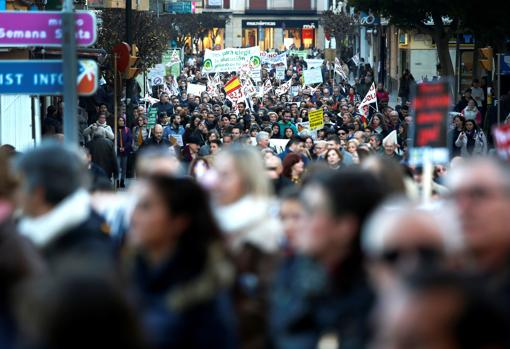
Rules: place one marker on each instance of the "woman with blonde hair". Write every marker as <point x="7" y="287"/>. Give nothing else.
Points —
<point x="243" y="206"/>
<point x="352" y="148"/>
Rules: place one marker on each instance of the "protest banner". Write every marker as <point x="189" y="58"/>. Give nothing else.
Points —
<point x="273" y="58"/>
<point x="370" y="98"/>
<point x="300" y="54"/>
<point x="284" y="88"/>
<point x="195" y="89"/>
<point x="152" y="117"/>
<point x="280" y="72"/>
<point x="314" y="63"/>
<point x="231" y="59"/>
<point x="312" y="76"/>
<point x="171" y="60"/>
<point x="316" y="119"/>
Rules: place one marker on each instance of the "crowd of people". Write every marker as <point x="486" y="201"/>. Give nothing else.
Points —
<point x="243" y="229"/>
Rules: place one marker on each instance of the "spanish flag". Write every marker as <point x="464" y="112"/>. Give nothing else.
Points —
<point x="232" y="85"/>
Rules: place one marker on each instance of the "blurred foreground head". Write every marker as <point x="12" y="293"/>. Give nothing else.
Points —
<point x="157" y="161"/>
<point x="444" y="311"/>
<point x="240" y="172"/>
<point x="77" y="309"/>
<point x="337" y="204"/>
<point x="401" y="239"/>
<point x="49" y="174"/>
<point x="480" y="190"/>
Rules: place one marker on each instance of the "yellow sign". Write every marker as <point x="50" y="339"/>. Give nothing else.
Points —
<point x="316" y="118"/>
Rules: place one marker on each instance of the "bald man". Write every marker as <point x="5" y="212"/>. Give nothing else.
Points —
<point x="156" y="139"/>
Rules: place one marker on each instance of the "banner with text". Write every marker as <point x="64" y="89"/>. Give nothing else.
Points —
<point x="316" y="119"/>
<point x="231" y="59"/>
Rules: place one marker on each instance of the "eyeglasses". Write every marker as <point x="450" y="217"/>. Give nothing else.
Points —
<point x="478" y="193"/>
<point x="425" y="254"/>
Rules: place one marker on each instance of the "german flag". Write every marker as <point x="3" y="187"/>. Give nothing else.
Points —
<point x="232" y="85"/>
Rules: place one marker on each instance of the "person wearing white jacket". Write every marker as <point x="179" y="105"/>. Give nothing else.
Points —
<point x="471" y="141"/>
<point x="100" y="123"/>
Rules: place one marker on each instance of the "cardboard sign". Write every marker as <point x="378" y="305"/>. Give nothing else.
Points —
<point x="316" y="119"/>
<point x="312" y="76"/>
<point x="314" y="63"/>
<point x="152" y="117"/>
<point x="195" y="89"/>
<point x="280" y="73"/>
<point x="502" y="140"/>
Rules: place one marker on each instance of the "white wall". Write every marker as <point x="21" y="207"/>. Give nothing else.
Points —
<point x="16" y="121"/>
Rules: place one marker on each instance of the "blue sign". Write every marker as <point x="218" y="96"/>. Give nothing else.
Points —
<point x="44" y="77"/>
<point x="505" y="64"/>
<point x="3" y="5"/>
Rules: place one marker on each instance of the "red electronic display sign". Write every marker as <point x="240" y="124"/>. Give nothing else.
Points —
<point x="431" y="106"/>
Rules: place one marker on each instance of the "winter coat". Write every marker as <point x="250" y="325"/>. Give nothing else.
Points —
<point x="145" y="134"/>
<point x="71" y="231"/>
<point x="308" y="303"/>
<point x="103" y="154"/>
<point x="127" y="141"/>
<point x="480" y="147"/>
<point x="185" y="303"/>
<point x="254" y="238"/>
<point x="19" y="261"/>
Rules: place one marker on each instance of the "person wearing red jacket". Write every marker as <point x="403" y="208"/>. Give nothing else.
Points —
<point x="383" y="97"/>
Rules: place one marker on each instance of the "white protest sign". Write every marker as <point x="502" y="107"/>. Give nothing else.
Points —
<point x="370" y="98"/>
<point x="273" y="58"/>
<point x="195" y="89"/>
<point x="312" y="76"/>
<point x="314" y="63"/>
<point x="231" y="59"/>
<point x="280" y="73"/>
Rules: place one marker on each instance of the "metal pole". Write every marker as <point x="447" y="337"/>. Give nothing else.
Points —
<point x="498" y="72"/>
<point x="70" y="71"/>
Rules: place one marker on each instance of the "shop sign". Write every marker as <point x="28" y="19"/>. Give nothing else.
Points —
<point x="303" y="24"/>
<point x="45" y="77"/>
<point x="44" y="28"/>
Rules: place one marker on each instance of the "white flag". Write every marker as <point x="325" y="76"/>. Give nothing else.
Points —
<point x="370" y="98"/>
<point x="283" y="89"/>
<point x="339" y="70"/>
<point x="355" y="59"/>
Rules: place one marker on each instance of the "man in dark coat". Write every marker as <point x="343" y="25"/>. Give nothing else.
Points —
<point x="103" y="153"/>
<point x="157" y="139"/>
<point x="57" y="212"/>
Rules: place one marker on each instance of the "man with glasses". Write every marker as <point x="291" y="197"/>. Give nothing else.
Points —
<point x="480" y="190"/>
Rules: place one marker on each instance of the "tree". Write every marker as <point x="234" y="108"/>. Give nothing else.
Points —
<point x="149" y="34"/>
<point x="196" y="27"/>
<point x="437" y="18"/>
<point x="339" y="24"/>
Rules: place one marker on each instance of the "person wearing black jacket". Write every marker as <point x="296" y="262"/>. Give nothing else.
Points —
<point x="102" y="152"/>
<point x="57" y="212"/>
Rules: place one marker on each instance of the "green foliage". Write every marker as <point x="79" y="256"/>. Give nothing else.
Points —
<point x="147" y="31"/>
<point x="339" y="25"/>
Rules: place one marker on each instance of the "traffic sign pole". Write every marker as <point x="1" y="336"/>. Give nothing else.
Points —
<point x="70" y="74"/>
